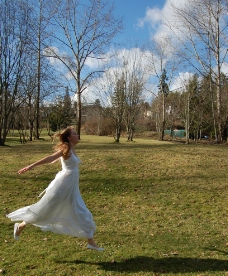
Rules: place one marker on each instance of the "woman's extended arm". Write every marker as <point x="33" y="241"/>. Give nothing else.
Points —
<point x="45" y="160"/>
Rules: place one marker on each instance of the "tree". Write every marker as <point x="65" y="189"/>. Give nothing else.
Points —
<point x="29" y="102"/>
<point x="21" y="71"/>
<point x="224" y="107"/>
<point x="85" y="30"/>
<point x="118" y="100"/>
<point x="43" y="12"/>
<point x="200" y="26"/>
<point x="55" y="117"/>
<point x="68" y="113"/>
<point x="163" y="91"/>
<point x="122" y="88"/>
<point x="135" y="78"/>
<point x="134" y="91"/>
<point x="61" y="113"/>
<point x="162" y="69"/>
<point x="173" y="107"/>
<point x="14" y="44"/>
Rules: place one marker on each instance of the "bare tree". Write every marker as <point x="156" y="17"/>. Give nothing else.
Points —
<point x="135" y="78"/>
<point x="200" y="26"/>
<point x="121" y="87"/>
<point x="85" y="30"/>
<point x="134" y="92"/>
<point x="162" y="68"/>
<point x="14" y="30"/>
<point x="43" y="12"/>
<point x="118" y="100"/>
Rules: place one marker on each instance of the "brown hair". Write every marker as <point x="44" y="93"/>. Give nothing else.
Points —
<point x="64" y="145"/>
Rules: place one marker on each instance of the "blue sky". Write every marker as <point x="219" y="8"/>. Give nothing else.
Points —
<point x="132" y="11"/>
<point x="142" y="20"/>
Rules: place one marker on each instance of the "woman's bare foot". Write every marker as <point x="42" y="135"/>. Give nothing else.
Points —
<point x="20" y="228"/>
<point x="93" y="245"/>
<point x="92" y="242"/>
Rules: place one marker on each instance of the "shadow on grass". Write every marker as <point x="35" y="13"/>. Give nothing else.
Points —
<point x="162" y="265"/>
<point x="116" y="146"/>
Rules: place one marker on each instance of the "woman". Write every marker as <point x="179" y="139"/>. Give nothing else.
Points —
<point x="61" y="209"/>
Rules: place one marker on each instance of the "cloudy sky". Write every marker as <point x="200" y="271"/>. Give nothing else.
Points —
<point x="142" y="20"/>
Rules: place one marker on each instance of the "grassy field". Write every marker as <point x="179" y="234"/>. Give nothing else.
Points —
<point x="160" y="208"/>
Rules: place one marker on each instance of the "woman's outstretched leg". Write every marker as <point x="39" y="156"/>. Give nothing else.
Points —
<point x="18" y="228"/>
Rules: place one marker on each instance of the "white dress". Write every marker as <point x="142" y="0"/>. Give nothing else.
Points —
<point x="61" y="209"/>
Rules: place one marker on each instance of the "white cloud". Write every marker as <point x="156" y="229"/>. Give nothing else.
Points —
<point x="180" y="80"/>
<point x="69" y="76"/>
<point x="126" y="61"/>
<point x="94" y="62"/>
<point x="224" y="68"/>
<point x="50" y="53"/>
<point x="162" y="21"/>
<point x="155" y="17"/>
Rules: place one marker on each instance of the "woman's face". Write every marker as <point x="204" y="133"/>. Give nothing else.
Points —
<point x="74" y="137"/>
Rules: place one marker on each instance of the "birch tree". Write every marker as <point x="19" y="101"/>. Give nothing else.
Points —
<point x="200" y="27"/>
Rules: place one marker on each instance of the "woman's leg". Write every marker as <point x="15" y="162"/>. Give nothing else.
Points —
<point x="93" y="245"/>
<point x="20" y="228"/>
<point x="92" y="242"/>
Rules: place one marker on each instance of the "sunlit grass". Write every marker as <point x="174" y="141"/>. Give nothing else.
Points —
<point x="160" y="209"/>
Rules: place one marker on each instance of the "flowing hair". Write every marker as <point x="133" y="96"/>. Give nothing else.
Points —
<point x="64" y="145"/>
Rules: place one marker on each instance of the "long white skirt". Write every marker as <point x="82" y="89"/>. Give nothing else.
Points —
<point x="61" y="209"/>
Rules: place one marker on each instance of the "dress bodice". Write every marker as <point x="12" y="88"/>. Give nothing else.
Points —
<point x="71" y="163"/>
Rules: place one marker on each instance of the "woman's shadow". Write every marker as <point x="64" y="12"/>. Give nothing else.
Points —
<point x="166" y="265"/>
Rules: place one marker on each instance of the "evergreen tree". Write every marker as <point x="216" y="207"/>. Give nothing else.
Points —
<point x="163" y="91"/>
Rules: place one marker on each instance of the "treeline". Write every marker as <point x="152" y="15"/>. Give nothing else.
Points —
<point x="55" y="53"/>
<point x="190" y="108"/>
<point x="44" y="46"/>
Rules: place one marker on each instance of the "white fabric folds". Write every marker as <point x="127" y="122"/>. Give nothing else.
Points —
<point x="61" y="209"/>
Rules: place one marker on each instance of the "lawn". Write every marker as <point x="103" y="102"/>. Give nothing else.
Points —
<point x="160" y="209"/>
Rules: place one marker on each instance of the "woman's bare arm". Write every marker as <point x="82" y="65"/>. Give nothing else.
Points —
<point x="45" y="160"/>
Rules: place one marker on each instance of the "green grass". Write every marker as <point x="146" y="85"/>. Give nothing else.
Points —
<point x="160" y="209"/>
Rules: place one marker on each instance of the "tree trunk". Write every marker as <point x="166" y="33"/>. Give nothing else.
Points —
<point x="37" y="126"/>
<point x="79" y="112"/>
<point x="187" y="118"/>
<point x="218" y="49"/>
<point x="163" y="118"/>
<point x="130" y="134"/>
<point x="219" y="109"/>
<point x="118" y="131"/>
<point x="213" y="111"/>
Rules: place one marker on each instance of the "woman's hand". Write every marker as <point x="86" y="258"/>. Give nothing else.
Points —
<point x="25" y="169"/>
<point x="45" y="160"/>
